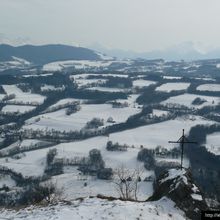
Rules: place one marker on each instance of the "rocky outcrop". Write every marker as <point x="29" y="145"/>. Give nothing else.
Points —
<point x="178" y="185"/>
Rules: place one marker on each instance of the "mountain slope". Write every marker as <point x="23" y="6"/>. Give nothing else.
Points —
<point x="46" y="53"/>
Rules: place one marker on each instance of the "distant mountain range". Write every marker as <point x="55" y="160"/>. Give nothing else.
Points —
<point x="41" y="55"/>
<point x="47" y="53"/>
<point x="184" y="51"/>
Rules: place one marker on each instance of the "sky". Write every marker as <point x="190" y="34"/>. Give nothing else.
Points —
<point x="138" y="25"/>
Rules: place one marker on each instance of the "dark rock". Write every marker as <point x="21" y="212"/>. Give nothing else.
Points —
<point x="178" y="185"/>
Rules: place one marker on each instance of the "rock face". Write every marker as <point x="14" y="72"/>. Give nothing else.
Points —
<point x="178" y="185"/>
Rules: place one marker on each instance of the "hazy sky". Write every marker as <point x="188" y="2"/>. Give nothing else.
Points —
<point x="139" y="25"/>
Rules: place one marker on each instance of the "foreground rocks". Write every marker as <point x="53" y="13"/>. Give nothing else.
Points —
<point x="178" y="185"/>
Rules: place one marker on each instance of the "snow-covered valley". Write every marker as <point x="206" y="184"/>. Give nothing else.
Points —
<point x="81" y="128"/>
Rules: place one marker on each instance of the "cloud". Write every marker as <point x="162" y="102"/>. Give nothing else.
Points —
<point x="139" y="25"/>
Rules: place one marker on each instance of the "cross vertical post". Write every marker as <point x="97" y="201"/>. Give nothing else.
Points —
<point x="182" y="146"/>
<point x="183" y="140"/>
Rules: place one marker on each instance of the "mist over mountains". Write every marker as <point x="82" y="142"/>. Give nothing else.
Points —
<point x="43" y="54"/>
<point x="183" y="51"/>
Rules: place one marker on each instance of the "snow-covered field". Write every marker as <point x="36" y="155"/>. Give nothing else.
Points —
<point x="157" y="112"/>
<point x="107" y="89"/>
<point x="24" y="144"/>
<point x="116" y="75"/>
<point x="187" y="99"/>
<point x="58" y="120"/>
<point x="82" y="80"/>
<point x="31" y="164"/>
<point x="131" y="100"/>
<point x="7" y="181"/>
<point x="80" y="64"/>
<point x="168" y="87"/>
<point x="22" y="97"/>
<point x="112" y="159"/>
<point x="85" y="75"/>
<point x="213" y="143"/>
<point x="186" y="162"/>
<point x="16" y="63"/>
<point x="66" y="101"/>
<point x="2" y="96"/>
<point x="172" y="77"/>
<point x="100" y="209"/>
<point x="209" y="87"/>
<point x="142" y="83"/>
<point x="17" y="108"/>
<point x="150" y="136"/>
<point x="85" y="82"/>
<point x="73" y="185"/>
<point x="36" y="75"/>
<point x="205" y="79"/>
<point x="45" y="88"/>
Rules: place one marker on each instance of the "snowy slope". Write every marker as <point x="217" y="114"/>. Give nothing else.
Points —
<point x="213" y="143"/>
<point x="187" y="99"/>
<point x="209" y="87"/>
<point x="80" y="64"/>
<point x="142" y="83"/>
<point x="168" y="87"/>
<point x="99" y="209"/>
<point x="15" y="63"/>
<point x="23" y="97"/>
<point x="17" y="108"/>
<point x="153" y="135"/>
<point x="58" y="120"/>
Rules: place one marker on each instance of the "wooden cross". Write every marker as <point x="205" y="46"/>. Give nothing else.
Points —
<point x="183" y="140"/>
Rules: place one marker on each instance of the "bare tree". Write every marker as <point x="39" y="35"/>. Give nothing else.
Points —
<point x="126" y="182"/>
<point x="53" y="194"/>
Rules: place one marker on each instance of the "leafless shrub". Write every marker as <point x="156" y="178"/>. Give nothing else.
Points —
<point x="126" y="182"/>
